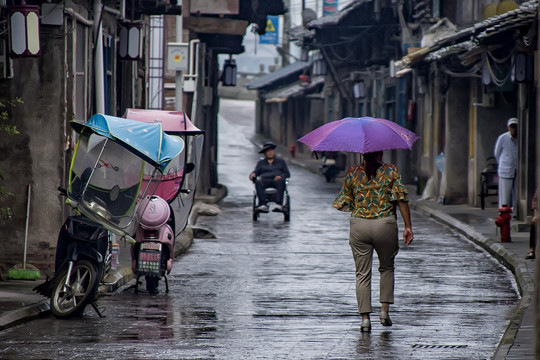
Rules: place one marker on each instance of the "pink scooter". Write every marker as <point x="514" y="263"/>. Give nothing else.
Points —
<point x="153" y="252"/>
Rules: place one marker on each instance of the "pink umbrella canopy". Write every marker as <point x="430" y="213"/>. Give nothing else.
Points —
<point x="359" y="135"/>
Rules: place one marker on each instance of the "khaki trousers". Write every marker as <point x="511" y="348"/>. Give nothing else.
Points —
<point x="381" y="235"/>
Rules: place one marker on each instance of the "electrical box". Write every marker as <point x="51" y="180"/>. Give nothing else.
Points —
<point x="177" y="56"/>
<point x="189" y="84"/>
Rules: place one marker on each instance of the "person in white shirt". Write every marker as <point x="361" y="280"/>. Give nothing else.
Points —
<point x="506" y="149"/>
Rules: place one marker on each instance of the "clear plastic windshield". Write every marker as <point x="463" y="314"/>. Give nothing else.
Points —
<point x="107" y="181"/>
<point x="183" y="201"/>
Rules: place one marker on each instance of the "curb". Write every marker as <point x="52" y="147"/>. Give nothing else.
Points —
<point x="24" y="314"/>
<point x="30" y="312"/>
<point x="517" y="267"/>
<point x="116" y="279"/>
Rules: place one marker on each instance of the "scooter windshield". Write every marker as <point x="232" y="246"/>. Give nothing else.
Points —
<point x="107" y="181"/>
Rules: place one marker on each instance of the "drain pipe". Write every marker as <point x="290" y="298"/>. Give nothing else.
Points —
<point x="99" y="83"/>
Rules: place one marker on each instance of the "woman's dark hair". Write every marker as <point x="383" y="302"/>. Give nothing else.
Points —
<point x="371" y="161"/>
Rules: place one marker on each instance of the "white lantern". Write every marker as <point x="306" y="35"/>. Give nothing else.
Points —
<point x="24" y="30"/>
<point x="130" y="41"/>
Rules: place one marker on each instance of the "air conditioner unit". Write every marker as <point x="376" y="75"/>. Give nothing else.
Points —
<point x="6" y="65"/>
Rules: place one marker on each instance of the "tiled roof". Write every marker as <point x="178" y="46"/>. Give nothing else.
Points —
<point x="471" y="37"/>
<point x="270" y="79"/>
<point x="526" y="13"/>
<point x="291" y="90"/>
<point x="335" y="18"/>
<point x="300" y="33"/>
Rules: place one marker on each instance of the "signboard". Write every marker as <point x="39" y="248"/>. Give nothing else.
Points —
<point x="329" y="7"/>
<point x="272" y="31"/>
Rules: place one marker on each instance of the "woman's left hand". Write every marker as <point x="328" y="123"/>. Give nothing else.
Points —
<point x="407" y="236"/>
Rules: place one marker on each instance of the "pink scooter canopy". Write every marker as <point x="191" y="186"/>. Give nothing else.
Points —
<point x="156" y="214"/>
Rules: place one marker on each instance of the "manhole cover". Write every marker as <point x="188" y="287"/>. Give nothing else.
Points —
<point x="438" y="346"/>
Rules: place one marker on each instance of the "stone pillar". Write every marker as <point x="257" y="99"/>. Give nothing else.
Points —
<point x="457" y="141"/>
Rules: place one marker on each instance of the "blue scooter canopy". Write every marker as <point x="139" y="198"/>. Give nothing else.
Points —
<point x="146" y="140"/>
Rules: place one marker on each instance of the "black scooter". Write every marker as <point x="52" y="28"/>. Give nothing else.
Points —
<point x="83" y="260"/>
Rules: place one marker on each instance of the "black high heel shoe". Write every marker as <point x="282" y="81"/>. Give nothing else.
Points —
<point x="385" y="319"/>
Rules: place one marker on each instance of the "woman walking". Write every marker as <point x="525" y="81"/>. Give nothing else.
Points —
<point x="371" y="191"/>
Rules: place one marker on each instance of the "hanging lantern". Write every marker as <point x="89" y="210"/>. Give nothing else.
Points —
<point x="24" y="30"/>
<point x="228" y="76"/>
<point x="359" y="89"/>
<point x="130" y="41"/>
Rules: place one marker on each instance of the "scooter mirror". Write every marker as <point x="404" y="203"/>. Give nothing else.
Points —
<point x="189" y="168"/>
<point x="115" y="191"/>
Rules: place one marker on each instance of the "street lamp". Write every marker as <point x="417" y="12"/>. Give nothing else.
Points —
<point x="228" y="76"/>
<point x="23" y="23"/>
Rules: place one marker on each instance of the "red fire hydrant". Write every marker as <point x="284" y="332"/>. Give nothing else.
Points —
<point x="503" y="221"/>
<point x="292" y="150"/>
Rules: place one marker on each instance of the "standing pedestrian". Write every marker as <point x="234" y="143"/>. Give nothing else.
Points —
<point x="371" y="191"/>
<point x="505" y="151"/>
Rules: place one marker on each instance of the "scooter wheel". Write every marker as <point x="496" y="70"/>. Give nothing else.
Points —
<point x="70" y="299"/>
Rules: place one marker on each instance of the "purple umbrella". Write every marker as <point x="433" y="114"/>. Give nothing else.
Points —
<point x="360" y="135"/>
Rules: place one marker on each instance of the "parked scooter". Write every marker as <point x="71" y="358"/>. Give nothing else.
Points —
<point x="329" y="167"/>
<point x="168" y="210"/>
<point x="115" y="169"/>
<point x="83" y="260"/>
<point x="153" y="253"/>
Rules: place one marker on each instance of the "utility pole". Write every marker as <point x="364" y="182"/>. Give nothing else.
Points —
<point x="179" y="80"/>
<point x="285" y="39"/>
<point x="98" y="59"/>
<point x="537" y="285"/>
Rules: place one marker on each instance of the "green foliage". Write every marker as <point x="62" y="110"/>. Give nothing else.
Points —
<point x="5" y="212"/>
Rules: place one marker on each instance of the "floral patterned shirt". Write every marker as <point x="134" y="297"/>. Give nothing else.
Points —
<point x="371" y="198"/>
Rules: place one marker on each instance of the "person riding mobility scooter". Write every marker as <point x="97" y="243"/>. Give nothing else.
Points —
<point x="270" y="179"/>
